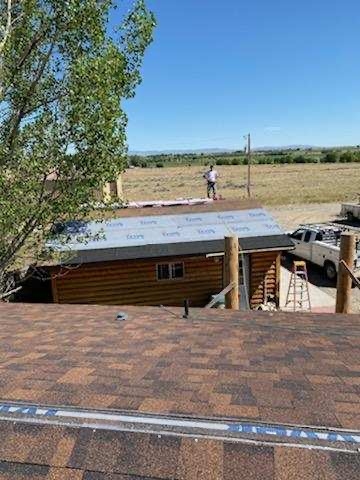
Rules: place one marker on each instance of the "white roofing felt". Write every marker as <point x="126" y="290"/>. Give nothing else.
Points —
<point x="164" y="229"/>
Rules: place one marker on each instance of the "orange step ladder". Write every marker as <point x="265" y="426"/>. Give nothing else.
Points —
<point x="298" y="295"/>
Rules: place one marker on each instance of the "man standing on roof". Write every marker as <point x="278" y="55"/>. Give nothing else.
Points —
<point x="211" y="177"/>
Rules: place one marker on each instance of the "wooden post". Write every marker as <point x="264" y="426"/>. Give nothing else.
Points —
<point x="119" y="187"/>
<point x="106" y="192"/>
<point x="113" y="189"/>
<point x="343" y="292"/>
<point x="232" y="272"/>
<point x="277" y="279"/>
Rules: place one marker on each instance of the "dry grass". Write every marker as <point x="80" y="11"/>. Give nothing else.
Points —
<point x="272" y="184"/>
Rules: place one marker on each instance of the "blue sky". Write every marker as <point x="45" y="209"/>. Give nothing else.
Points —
<point x="288" y="71"/>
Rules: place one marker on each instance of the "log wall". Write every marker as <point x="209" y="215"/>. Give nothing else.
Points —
<point x="134" y="282"/>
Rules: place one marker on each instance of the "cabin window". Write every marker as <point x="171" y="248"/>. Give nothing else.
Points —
<point x="170" y="271"/>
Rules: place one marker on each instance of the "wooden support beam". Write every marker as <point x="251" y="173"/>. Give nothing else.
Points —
<point x="347" y="255"/>
<point x="219" y="295"/>
<point x="232" y="272"/>
<point x="277" y="280"/>
<point x="351" y="273"/>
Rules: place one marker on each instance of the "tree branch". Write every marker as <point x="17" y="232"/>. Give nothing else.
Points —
<point x="22" y="111"/>
<point x="38" y="36"/>
<point x="11" y="292"/>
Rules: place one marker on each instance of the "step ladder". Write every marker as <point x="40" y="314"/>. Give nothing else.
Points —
<point x="298" y="296"/>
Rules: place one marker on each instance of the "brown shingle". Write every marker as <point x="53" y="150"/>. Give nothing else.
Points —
<point x="83" y="453"/>
<point x="292" y="368"/>
<point x="247" y="462"/>
<point x="202" y="459"/>
<point x="312" y="465"/>
<point x="286" y="368"/>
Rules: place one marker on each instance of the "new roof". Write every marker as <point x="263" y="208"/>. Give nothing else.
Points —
<point x="44" y="452"/>
<point x="219" y="395"/>
<point x="180" y="230"/>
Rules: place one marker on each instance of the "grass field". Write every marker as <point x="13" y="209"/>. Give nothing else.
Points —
<point x="271" y="184"/>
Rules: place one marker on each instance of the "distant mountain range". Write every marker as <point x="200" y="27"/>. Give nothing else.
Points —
<point x="216" y="150"/>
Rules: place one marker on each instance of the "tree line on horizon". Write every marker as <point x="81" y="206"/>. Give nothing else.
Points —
<point x="240" y="158"/>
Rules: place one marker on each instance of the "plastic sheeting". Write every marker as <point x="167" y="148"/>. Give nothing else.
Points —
<point x="163" y="229"/>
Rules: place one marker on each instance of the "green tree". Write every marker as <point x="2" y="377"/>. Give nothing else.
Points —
<point x="63" y="76"/>
<point x="346" y="157"/>
<point x="330" y="157"/>
<point x="300" y="159"/>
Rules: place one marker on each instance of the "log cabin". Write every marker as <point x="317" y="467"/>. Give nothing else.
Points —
<point x="163" y="255"/>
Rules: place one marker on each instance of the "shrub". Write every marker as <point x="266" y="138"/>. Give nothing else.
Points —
<point x="236" y="161"/>
<point x="312" y="159"/>
<point x="265" y="161"/>
<point x="300" y="159"/>
<point x="159" y="165"/>
<point x="135" y="162"/>
<point x="346" y="157"/>
<point x="283" y="159"/>
<point x="330" y="157"/>
<point x="223" y="161"/>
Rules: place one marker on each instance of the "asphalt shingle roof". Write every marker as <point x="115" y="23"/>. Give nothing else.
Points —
<point x="43" y="453"/>
<point x="298" y="369"/>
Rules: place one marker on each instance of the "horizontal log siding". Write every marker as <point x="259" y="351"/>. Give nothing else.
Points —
<point x="264" y="269"/>
<point x="134" y="283"/>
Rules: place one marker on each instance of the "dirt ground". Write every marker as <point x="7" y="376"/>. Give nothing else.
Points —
<point x="290" y="216"/>
<point x="271" y="184"/>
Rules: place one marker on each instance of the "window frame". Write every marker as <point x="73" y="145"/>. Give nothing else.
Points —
<point x="307" y="236"/>
<point x="299" y="232"/>
<point x="171" y="266"/>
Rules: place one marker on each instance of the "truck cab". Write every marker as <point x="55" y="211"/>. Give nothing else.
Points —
<point x="318" y="246"/>
<point x="302" y="238"/>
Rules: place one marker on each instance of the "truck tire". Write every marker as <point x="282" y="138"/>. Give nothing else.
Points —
<point x="330" y="270"/>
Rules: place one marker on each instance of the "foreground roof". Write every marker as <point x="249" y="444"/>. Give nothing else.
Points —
<point x="40" y="452"/>
<point x="168" y="231"/>
<point x="273" y="381"/>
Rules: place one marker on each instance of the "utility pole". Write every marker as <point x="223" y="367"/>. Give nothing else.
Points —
<point x="249" y="165"/>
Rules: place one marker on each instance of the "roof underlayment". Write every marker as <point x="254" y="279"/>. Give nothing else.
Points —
<point x="147" y="236"/>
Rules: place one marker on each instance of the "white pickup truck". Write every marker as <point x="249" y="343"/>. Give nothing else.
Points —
<point x="321" y="246"/>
